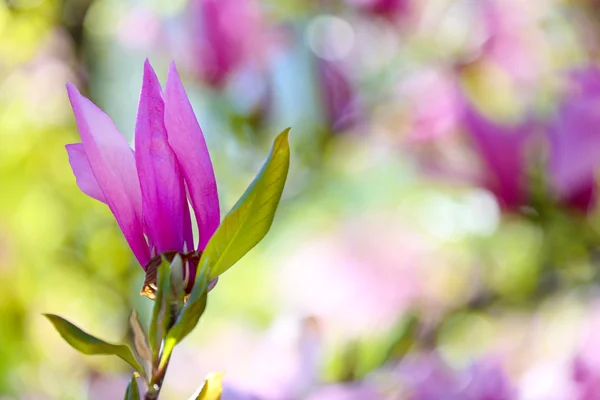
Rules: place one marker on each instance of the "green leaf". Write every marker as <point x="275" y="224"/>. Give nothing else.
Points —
<point x="133" y="392"/>
<point x="161" y="313"/>
<point x="188" y="317"/>
<point x="251" y="217"/>
<point x="212" y="388"/>
<point x="88" y="344"/>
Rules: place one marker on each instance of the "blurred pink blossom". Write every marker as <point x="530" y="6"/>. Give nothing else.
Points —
<point x="435" y="104"/>
<point x="226" y="35"/>
<point x="386" y="8"/>
<point x="140" y="28"/>
<point x="428" y="377"/>
<point x="575" y="139"/>
<point x="347" y="391"/>
<point x="502" y="151"/>
<point x="514" y="39"/>
<point x="574" y="144"/>
<point x="586" y="364"/>
<point x="339" y="97"/>
<point x="360" y="268"/>
<point x="486" y="380"/>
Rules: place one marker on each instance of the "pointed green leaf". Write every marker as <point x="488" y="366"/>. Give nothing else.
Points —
<point x="251" y="217"/>
<point x="133" y="391"/>
<point x="161" y="312"/>
<point x="212" y="388"/>
<point x="88" y="344"/>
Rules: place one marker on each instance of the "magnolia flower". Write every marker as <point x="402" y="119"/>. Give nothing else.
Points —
<point x="428" y="377"/>
<point x="486" y="380"/>
<point x="348" y="391"/>
<point x="387" y="8"/>
<point x="514" y="40"/>
<point x="226" y="35"/>
<point x="147" y="189"/>
<point x="574" y="143"/>
<point x="585" y="366"/>
<point x="502" y="150"/>
<point x="436" y="103"/>
<point x="339" y="97"/>
<point x="586" y="379"/>
<point x="575" y="139"/>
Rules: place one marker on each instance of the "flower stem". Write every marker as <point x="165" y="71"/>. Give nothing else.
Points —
<point x="156" y="383"/>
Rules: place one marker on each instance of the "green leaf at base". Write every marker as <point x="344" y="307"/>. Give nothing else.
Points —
<point x="133" y="392"/>
<point x="251" y="217"/>
<point x="88" y="344"/>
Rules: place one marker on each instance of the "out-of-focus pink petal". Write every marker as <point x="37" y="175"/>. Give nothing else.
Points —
<point x="515" y="42"/>
<point x="338" y="96"/>
<point x="486" y="380"/>
<point x="427" y="377"/>
<point x="348" y="391"/>
<point x="164" y="201"/>
<point x="575" y="139"/>
<point x="187" y="141"/>
<point x="227" y="35"/>
<point x="502" y="150"/>
<point x="583" y="198"/>
<point x="387" y="8"/>
<point x="112" y="163"/>
<point x="83" y="172"/>
<point x="436" y="104"/>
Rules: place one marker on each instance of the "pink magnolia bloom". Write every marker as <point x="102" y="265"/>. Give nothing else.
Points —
<point x="486" y="380"/>
<point x="339" y="97"/>
<point x="575" y="139"/>
<point x="428" y="377"/>
<point x="347" y="391"/>
<point x="387" y="8"/>
<point x="502" y="150"/>
<point x="586" y="378"/>
<point x="585" y="367"/>
<point x="147" y="189"/>
<point x="226" y="35"/>
<point x="514" y="39"/>
<point x="436" y="104"/>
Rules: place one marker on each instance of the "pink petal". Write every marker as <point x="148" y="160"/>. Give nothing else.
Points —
<point x="575" y="140"/>
<point x="112" y="163"/>
<point x="227" y="36"/>
<point x="83" y="172"/>
<point x="338" y="96"/>
<point x="502" y="149"/>
<point x="187" y="141"/>
<point x="164" y="201"/>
